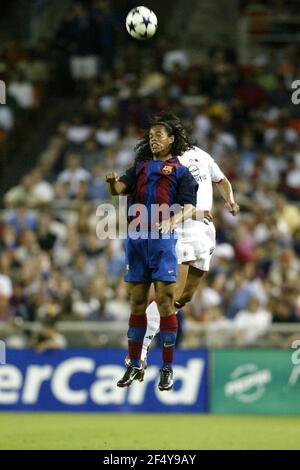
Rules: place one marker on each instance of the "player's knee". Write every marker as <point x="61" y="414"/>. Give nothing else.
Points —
<point x="138" y="306"/>
<point x="165" y="304"/>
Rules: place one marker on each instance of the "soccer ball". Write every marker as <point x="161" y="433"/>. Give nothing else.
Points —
<point x="141" y="23"/>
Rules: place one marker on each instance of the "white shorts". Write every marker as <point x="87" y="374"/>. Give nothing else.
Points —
<point x="196" y="244"/>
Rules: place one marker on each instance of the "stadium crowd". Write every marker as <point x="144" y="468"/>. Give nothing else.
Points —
<point x="51" y="262"/>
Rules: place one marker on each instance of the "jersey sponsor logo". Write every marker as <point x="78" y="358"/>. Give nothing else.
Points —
<point x="203" y="178"/>
<point x="167" y="170"/>
<point x="195" y="171"/>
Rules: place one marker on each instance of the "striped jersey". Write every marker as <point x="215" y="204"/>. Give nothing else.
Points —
<point x="157" y="182"/>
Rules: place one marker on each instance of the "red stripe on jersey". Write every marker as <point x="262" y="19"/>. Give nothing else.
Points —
<point x="176" y="163"/>
<point x="142" y="182"/>
<point x="163" y="185"/>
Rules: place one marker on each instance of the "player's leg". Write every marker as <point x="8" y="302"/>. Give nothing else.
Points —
<point x="165" y="292"/>
<point x="197" y="252"/>
<point x="153" y="323"/>
<point x="188" y="281"/>
<point x="192" y="283"/>
<point x="152" y="312"/>
<point x="138" y="295"/>
<point x="181" y="284"/>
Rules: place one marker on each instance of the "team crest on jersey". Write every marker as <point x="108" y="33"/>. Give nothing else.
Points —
<point x="167" y="170"/>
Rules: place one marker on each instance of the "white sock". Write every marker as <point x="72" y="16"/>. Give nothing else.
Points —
<point x="153" y="324"/>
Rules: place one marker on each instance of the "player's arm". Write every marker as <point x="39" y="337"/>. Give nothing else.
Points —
<point x="122" y="185"/>
<point x="186" y="198"/>
<point x="168" y="225"/>
<point x="225" y="189"/>
<point x="115" y="186"/>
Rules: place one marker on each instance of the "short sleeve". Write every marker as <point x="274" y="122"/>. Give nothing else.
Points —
<point x="187" y="190"/>
<point x="215" y="172"/>
<point x="129" y="178"/>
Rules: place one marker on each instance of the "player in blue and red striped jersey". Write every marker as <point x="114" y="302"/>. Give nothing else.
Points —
<point x="157" y="177"/>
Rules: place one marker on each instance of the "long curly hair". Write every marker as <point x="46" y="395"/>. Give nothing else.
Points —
<point x="173" y="126"/>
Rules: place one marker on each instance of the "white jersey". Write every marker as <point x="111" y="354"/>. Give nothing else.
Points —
<point x="205" y="171"/>
<point x="196" y="239"/>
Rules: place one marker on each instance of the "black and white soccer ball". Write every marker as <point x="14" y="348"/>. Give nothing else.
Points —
<point x="141" y="23"/>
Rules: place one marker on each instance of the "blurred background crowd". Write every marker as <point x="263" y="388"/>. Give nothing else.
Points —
<point x="78" y="95"/>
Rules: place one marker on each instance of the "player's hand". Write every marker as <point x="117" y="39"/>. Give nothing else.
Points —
<point x="166" y="226"/>
<point x="112" y="177"/>
<point x="232" y="207"/>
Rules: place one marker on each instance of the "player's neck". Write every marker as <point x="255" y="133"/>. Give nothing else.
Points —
<point x="162" y="157"/>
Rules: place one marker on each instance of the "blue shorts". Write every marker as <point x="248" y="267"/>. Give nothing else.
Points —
<point x="151" y="260"/>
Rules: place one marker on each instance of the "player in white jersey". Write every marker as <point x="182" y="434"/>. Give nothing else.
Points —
<point x="196" y="239"/>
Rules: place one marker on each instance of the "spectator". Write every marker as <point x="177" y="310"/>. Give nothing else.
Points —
<point x="33" y="191"/>
<point x="22" y="90"/>
<point x="49" y="338"/>
<point x="7" y="120"/>
<point x="6" y="292"/>
<point x="252" y="323"/>
<point x="78" y="132"/>
<point x="73" y="174"/>
<point x="97" y="185"/>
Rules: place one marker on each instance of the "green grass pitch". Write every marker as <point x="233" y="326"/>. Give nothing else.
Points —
<point x="141" y="431"/>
